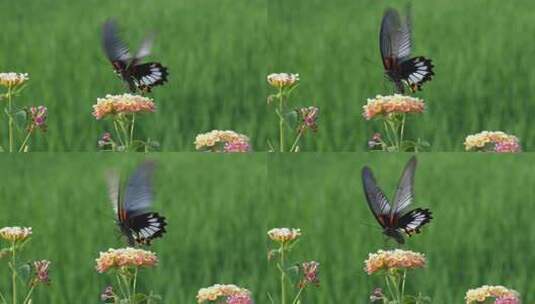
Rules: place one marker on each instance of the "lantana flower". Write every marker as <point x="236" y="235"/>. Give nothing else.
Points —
<point x="393" y="259"/>
<point x="38" y="116"/>
<point x="222" y="141"/>
<point x="282" y="80"/>
<point x="41" y="272"/>
<point x="125" y="257"/>
<point x="226" y="291"/>
<point x="496" y="141"/>
<point x="498" y="292"/>
<point x="12" y="80"/>
<point x="395" y="104"/>
<point x="308" y="117"/>
<point x="284" y="235"/>
<point x="311" y="272"/>
<point x="14" y="234"/>
<point x="122" y="104"/>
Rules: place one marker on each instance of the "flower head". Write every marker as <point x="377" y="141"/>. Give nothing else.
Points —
<point x="105" y="140"/>
<point x="38" y="117"/>
<point x="311" y="272"/>
<point x="41" y="272"/>
<point x="376" y="141"/>
<point x="377" y="295"/>
<point x="282" y="80"/>
<point x="216" y="291"/>
<point x="14" y="234"/>
<point x="495" y="141"/>
<point x="222" y="141"/>
<point x="389" y="105"/>
<point x="393" y="259"/>
<point x="125" y="257"/>
<point x="12" y="80"/>
<point x="284" y="235"/>
<point x="107" y="294"/>
<point x="498" y="292"/>
<point x="122" y="104"/>
<point x="309" y="118"/>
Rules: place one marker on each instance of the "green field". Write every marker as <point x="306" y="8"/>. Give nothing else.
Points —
<point x="220" y="207"/>
<point x="220" y="51"/>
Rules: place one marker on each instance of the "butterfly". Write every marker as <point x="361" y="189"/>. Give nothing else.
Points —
<point x="391" y="217"/>
<point x="137" y="75"/>
<point x="395" y="43"/>
<point x="135" y="220"/>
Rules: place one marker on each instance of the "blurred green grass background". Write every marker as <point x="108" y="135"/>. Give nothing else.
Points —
<point x="219" y="208"/>
<point x="220" y="51"/>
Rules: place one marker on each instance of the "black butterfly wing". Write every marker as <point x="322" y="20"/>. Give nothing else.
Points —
<point x="139" y="194"/>
<point x="113" y="183"/>
<point x="377" y="201"/>
<point x="394" y="39"/>
<point x="416" y="71"/>
<point x="146" y="46"/>
<point x="146" y="227"/>
<point x="404" y="192"/>
<point x="414" y="220"/>
<point x="116" y="50"/>
<point x="148" y="75"/>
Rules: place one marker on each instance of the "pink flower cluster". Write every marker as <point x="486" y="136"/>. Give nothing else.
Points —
<point x="388" y="105"/>
<point x="232" y="293"/>
<point x="38" y="117"/>
<point x="122" y="104"/>
<point x="125" y="257"/>
<point x="492" y="141"/>
<point x="393" y="259"/>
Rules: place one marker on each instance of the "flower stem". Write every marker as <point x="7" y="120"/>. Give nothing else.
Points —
<point x="134" y="286"/>
<point x="387" y="279"/>
<point x="132" y="130"/>
<point x="394" y="128"/>
<point x="298" y="295"/>
<point x="29" y="295"/>
<point x="121" y="289"/>
<point x="402" y="127"/>
<point x="26" y="139"/>
<point x="10" y="118"/>
<point x="117" y="132"/>
<point x="125" y="134"/>
<point x="297" y="138"/>
<point x="396" y="287"/>
<point x="2" y="298"/>
<point x="14" y="272"/>
<point x="126" y="282"/>
<point x="281" y="120"/>
<point x="403" y="284"/>
<point x="387" y="131"/>
<point x="283" y="276"/>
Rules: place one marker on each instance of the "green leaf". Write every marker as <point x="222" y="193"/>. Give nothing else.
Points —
<point x="292" y="119"/>
<point x="20" y="117"/>
<point x="25" y="272"/>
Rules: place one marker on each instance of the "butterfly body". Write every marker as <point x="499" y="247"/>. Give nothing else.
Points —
<point x="133" y="216"/>
<point x="395" y="43"/>
<point x="394" y="222"/>
<point x="137" y="75"/>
